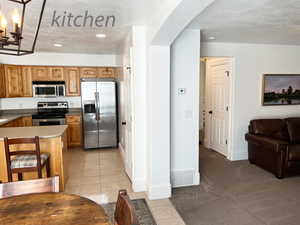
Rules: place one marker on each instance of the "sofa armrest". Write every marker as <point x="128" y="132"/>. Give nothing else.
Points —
<point x="275" y="144"/>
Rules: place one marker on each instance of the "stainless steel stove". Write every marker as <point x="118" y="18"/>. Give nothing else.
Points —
<point x="50" y="113"/>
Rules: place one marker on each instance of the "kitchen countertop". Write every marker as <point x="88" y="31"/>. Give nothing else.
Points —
<point x="29" y="132"/>
<point x="7" y="118"/>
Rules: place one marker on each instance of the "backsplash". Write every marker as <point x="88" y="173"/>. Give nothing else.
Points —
<point x="31" y="103"/>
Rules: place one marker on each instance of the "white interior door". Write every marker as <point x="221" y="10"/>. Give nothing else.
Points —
<point x="217" y="108"/>
<point x="128" y="116"/>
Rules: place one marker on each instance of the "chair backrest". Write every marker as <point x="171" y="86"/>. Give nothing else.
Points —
<point x="125" y="212"/>
<point x="19" y="141"/>
<point x="29" y="187"/>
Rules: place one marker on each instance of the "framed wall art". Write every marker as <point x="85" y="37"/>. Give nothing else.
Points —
<point x="281" y="89"/>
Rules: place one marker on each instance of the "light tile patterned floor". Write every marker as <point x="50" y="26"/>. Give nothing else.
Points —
<point x="99" y="174"/>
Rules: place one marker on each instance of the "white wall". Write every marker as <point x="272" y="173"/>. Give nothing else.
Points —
<point x="139" y="112"/>
<point x="251" y="62"/>
<point x="52" y="59"/>
<point x="158" y="122"/>
<point x="185" y="73"/>
<point x="42" y="58"/>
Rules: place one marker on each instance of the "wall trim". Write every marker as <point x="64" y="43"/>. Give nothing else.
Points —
<point x="122" y="152"/>
<point x="139" y="185"/>
<point x="242" y="155"/>
<point x="159" y="191"/>
<point x="184" y="178"/>
<point x="196" y="178"/>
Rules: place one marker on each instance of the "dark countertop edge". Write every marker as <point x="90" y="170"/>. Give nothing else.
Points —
<point x="22" y="112"/>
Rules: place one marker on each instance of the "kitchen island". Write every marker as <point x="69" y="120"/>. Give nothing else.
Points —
<point x="53" y="140"/>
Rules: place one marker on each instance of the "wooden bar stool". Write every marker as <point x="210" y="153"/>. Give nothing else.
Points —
<point x="125" y="213"/>
<point x="21" y="161"/>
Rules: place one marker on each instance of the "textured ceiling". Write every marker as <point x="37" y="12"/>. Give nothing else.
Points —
<point x="83" y="39"/>
<point x="248" y="21"/>
<point x="251" y="21"/>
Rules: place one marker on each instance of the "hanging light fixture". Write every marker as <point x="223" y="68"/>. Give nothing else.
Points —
<point x="14" y="40"/>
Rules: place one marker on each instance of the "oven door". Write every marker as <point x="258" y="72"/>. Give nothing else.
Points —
<point x="49" y="122"/>
<point x="44" y="91"/>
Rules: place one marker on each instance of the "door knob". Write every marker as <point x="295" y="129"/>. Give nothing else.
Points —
<point x="123" y="123"/>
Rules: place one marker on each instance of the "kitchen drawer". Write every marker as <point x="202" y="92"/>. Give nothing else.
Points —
<point x="73" y="118"/>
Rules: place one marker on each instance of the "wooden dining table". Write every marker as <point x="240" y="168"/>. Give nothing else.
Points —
<point x="51" y="209"/>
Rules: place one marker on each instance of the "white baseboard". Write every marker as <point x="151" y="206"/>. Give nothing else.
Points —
<point x="139" y="185"/>
<point x="156" y="192"/>
<point x="196" y="178"/>
<point x="240" y="156"/>
<point x="122" y="152"/>
<point x="184" y="178"/>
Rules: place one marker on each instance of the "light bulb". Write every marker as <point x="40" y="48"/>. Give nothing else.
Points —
<point x="3" y="22"/>
<point x="16" y="17"/>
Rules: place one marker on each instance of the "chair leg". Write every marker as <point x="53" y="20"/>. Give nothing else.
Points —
<point x="48" y="168"/>
<point x="9" y="176"/>
<point x="40" y="174"/>
<point x="20" y="176"/>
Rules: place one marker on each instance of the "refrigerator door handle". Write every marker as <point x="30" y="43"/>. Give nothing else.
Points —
<point x="97" y="106"/>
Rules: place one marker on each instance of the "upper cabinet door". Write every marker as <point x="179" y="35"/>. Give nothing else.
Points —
<point x="106" y="72"/>
<point x="40" y="73"/>
<point x="57" y="73"/>
<point x="27" y="81"/>
<point x="88" y="72"/>
<point x="72" y="77"/>
<point x="2" y="82"/>
<point x="13" y="80"/>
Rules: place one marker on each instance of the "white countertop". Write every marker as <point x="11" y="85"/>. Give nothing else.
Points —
<point x="29" y="132"/>
<point x="7" y="118"/>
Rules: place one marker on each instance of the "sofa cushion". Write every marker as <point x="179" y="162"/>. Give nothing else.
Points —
<point x="293" y="125"/>
<point x="294" y="152"/>
<point x="275" y="128"/>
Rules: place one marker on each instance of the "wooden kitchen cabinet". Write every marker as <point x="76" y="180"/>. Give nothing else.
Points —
<point x="88" y="72"/>
<point x="106" y="72"/>
<point x="16" y="80"/>
<point x="13" y="81"/>
<point x="56" y="73"/>
<point x="72" y="77"/>
<point x="27" y="121"/>
<point x="14" y="123"/>
<point x="27" y="81"/>
<point x="2" y="82"/>
<point x="40" y="73"/>
<point x="74" y="130"/>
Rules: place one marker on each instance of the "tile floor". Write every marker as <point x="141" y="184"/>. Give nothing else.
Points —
<point x="238" y="193"/>
<point x="99" y="174"/>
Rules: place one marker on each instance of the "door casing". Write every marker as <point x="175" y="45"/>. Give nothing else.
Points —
<point x="230" y="84"/>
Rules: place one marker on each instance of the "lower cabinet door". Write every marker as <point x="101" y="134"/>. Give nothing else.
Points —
<point x="74" y="135"/>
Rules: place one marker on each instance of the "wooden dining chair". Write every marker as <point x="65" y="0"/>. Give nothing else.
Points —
<point x="20" y="161"/>
<point x="125" y="212"/>
<point x="29" y="187"/>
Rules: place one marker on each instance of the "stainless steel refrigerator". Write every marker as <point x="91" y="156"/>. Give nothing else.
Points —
<point x="99" y="110"/>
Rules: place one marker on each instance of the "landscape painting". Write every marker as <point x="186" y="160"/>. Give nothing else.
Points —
<point x="281" y="89"/>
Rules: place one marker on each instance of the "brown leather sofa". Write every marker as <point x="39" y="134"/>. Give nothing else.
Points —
<point x="274" y="144"/>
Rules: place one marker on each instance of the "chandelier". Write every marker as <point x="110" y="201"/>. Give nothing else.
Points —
<point x="14" y="39"/>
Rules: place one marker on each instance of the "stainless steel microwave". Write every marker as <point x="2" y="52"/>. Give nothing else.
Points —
<point x="48" y="89"/>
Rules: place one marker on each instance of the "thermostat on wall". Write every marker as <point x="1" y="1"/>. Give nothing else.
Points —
<point x="181" y="91"/>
